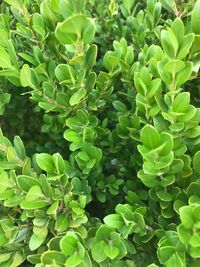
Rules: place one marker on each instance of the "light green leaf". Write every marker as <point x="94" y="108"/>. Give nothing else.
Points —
<point x="184" y="75"/>
<point x="53" y="258"/>
<point x="169" y="43"/>
<point x="26" y="182"/>
<point x="17" y="260"/>
<point x="36" y="241"/>
<point x="155" y="86"/>
<point x="186" y="216"/>
<point x="26" y="76"/>
<point x="174" y="66"/>
<point x="97" y="251"/>
<point x="181" y="102"/>
<point x="185" y="46"/>
<point x="5" y="182"/>
<point x="34" y="193"/>
<point x="68" y="245"/>
<point x="5" y="257"/>
<point x="114" y="220"/>
<point x="75" y="29"/>
<point x="150" y="137"/>
<point x="169" y="5"/>
<point x="62" y="222"/>
<point x="178" y="29"/>
<point x="110" y="250"/>
<point x="77" y="97"/>
<point x="52" y="209"/>
<point x="36" y="204"/>
<point x="5" y="61"/>
<point x="90" y="57"/>
<point x="45" y="162"/>
<point x="128" y="4"/>
<point x="196" y="162"/>
<point x="195" y="17"/>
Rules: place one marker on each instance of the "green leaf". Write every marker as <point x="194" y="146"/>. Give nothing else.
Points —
<point x="45" y="162"/>
<point x="77" y="97"/>
<point x="36" y="204"/>
<point x="12" y="53"/>
<point x="5" y="182"/>
<point x="164" y="253"/>
<point x="86" y="262"/>
<point x="185" y="45"/>
<point x="195" y="252"/>
<point x="53" y="258"/>
<point x="193" y="189"/>
<point x="59" y="162"/>
<point x="26" y="182"/>
<point x="90" y="57"/>
<point x="14" y="201"/>
<point x="26" y="77"/>
<point x="178" y="29"/>
<point x="14" y="3"/>
<point x="65" y="73"/>
<point x="155" y="86"/>
<point x="5" y="257"/>
<point x="62" y="222"/>
<point x="111" y="60"/>
<point x="97" y="251"/>
<point x="47" y="14"/>
<point x="83" y="156"/>
<point x="186" y="216"/>
<point x="103" y="233"/>
<point x="68" y="245"/>
<point x="174" y="66"/>
<point x="188" y="115"/>
<point x="119" y="106"/>
<point x="90" y="81"/>
<point x="12" y="75"/>
<point x="176" y="260"/>
<point x="184" y="75"/>
<point x="196" y="162"/>
<point x="17" y="260"/>
<point x="150" y="137"/>
<point x="34" y="258"/>
<point x="75" y="258"/>
<point x="114" y="220"/>
<point x="34" y="193"/>
<point x="75" y="29"/>
<point x="19" y="147"/>
<point x="165" y="76"/>
<point x="28" y="58"/>
<point x="195" y="17"/>
<point x="110" y="250"/>
<point x="128" y="4"/>
<point x="195" y="240"/>
<point x="53" y="208"/>
<point x="195" y="46"/>
<point x="36" y="241"/>
<point x="4" y="37"/>
<point x="4" y="100"/>
<point x="184" y="234"/>
<point x="169" y="5"/>
<point x="169" y="43"/>
<point x="38" y="24"/>
<point x="181" y="102"/>
<point x="72" y="136"/>
<point x="5" y="61"/>
<point x="45" y="184"/>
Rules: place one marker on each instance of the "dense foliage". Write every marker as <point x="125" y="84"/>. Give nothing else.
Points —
<point x="105" y="96"/>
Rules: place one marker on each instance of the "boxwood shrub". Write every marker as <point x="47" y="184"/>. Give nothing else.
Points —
<point x="105" y="95"/>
